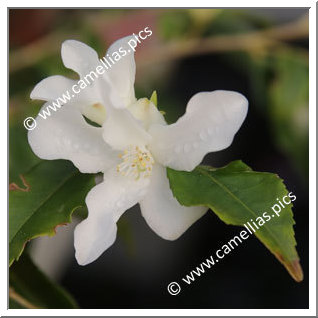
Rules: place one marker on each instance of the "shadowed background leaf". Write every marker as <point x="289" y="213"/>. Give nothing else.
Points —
<point x="30" y="288"/>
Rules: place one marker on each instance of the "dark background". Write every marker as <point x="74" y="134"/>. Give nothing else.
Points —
<point x="135" y="271"/>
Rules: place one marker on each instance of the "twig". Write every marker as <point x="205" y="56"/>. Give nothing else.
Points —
<point x="252" y="41"/>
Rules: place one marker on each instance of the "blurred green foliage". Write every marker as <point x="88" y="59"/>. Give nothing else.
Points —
<point x="175" y="24"/>
<point x="235" y="22"/>
<point x="30" y="288"/>
<point x="288" y="107"/>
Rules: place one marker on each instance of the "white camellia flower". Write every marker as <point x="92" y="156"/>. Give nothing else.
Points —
<point x="132" y="147"/>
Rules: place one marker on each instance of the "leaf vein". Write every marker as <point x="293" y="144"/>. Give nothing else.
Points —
<point x="238" y="200"/>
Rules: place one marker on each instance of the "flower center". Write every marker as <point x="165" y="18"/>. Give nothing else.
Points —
<point x="137" y="162"/>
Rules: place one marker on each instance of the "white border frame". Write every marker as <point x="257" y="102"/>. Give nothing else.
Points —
<point x="312" y="165"/>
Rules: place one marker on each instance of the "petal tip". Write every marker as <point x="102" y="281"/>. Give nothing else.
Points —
<point x="81" y="259"/>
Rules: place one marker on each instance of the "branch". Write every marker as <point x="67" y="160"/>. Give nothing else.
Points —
<point x="252" y="41"/>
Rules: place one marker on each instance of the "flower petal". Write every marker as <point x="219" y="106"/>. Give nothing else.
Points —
<point x="163" y="212"/>
<point x="79" y="57"/>
<point x="209" y="124"/>
<point x="122" y="130"/>
<point x="123" y="71"/>
<point x="106" y="202"/>
<point x="51" y="87"/>
<point x="145" y="111"/>
<point x="66" y="135"/>
<point x="58" y="89"/>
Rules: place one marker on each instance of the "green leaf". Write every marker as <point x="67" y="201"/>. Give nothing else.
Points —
<point x="53" y="191"/>
<point x="18" y="140"/>
<point x="30" y="288"/>
<point x="237" y="194"/>
<point x="18" y="144"/>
